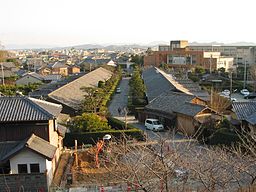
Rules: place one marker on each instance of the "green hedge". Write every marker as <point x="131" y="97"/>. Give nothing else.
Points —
<point x="105" y="101"/>
<point x="92" y="138"/>
<point x="118" y="125"/>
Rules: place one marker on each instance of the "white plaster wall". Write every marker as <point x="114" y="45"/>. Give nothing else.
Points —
<point x="50" y="172"/>
<point x="28" y="157"/>
<point x="53" y="135"/>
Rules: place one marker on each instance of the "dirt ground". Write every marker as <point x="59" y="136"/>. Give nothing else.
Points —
<point x="86" y="171"/>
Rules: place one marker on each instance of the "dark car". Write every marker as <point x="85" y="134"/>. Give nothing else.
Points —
<point x="250" y="96"/>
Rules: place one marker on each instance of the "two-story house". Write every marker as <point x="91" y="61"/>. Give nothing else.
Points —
<point x="30" y="143"/>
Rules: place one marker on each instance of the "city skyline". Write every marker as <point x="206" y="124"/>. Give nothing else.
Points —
<point x="67" y="23"/>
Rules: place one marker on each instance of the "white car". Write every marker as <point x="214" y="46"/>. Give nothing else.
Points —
<point x="244" y="92"/>
<point x="233" y="99"/>
<point x="226" y="92"/>
<point x="154" y="125"/>
<point x="118" y="90"/>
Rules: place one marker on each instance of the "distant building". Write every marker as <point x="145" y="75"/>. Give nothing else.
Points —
<point x="9" y="69"/>
<point x="30" y="78"/>
<point x="59" y="68"/>
<point x="179" y="55"/>
<point x="240" y="54"/>
<point x="179" y="44"/>
<point x="73" y="69"/>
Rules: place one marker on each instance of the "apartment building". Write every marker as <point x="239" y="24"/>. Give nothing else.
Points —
<point x="241" y="54"/>
<point x="180" y="54"/>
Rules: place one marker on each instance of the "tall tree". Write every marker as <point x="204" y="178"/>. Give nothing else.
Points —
<point x="92" y="99"/>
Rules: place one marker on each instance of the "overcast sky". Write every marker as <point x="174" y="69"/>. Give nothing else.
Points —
<point x="72" y="22"/>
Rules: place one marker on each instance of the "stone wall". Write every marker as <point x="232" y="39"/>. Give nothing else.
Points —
<point x="23" y="182"/>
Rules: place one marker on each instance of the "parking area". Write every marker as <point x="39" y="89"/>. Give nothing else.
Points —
<point x="240" y="98"/>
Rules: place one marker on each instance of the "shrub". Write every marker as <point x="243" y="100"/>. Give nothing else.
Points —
<point x="118" y="125"/>
<point x="223" y="136"/>
<point x="93" y="137"/>
<point x="88" y="122"/>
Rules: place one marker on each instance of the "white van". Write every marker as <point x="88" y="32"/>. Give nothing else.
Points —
<point x="154" y="125"/>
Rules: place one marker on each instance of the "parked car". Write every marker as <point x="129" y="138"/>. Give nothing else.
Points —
<point x="233" y="99"/>
<point x="226" y="92"/>
<point x="154" y="125"/>
<point x="244" y="92"/>
<point x="250" y="96"/>
<point x="118" y="90"/>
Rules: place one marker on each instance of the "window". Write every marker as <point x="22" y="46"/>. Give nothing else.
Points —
<point x="34" y="168"/>
<point x="148" y="121"/>
<point x="22" y="168"/>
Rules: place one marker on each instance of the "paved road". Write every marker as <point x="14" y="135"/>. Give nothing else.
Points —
<point x="121" y="100"/>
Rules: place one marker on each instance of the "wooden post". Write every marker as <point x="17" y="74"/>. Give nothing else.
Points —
<point x="76" y="159"/>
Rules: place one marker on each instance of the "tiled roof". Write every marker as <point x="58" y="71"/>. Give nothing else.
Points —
<point x="41" y="146"/>
<point x="251" y="119"/>
<point x="33" y="74"/>
<point x="7" y="146"/>
<point x="24" y="109"/>
<point x="34" y="143"/>
<point x="175" y="102"/>
<point x="155" y="83"/>
<point x="189" y="109"/>
<point x="244" y="109"/>
<point x="51" y="108"/>
<point x="44" y="90"/>
<point x="71" y="93"/>
<point x="58" y="65"/>
<point x="52" y="77"/>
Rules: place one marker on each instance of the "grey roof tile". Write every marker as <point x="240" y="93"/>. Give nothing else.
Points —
<point x="25" y="109"/>
<point x="244" y="109"/>
<point x="175" y="102"/>
<point x="51" y="108"/>
<point x="33" y="143"/>
<point x="251" y="119"/>
<point x="71" y="93"/>
<point x="7" y="146"/>
<point x="155" y="83"/>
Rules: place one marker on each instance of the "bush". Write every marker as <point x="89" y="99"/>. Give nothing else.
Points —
<point x="118" y="125"/>
<point x="223" y="137"/>
<point x="88" y="122"/>
<point x="93" y="137"/>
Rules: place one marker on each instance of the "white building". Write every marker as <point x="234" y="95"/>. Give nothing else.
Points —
<point x="241" y="54"/>
<point x="221" y="61"/>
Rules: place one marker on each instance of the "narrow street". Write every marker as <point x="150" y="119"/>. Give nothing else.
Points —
<point x="121" y="100"/>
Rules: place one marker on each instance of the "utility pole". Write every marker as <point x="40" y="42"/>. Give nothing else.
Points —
<point x="230" y="84"/>
<point x="125" y="117"/>
<point x="245" y="73"/>
<point x="211" y="64"/>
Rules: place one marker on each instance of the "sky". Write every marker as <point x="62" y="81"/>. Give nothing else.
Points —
<point x="75" y="22"/>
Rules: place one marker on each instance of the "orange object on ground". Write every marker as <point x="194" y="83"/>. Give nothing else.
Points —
<point x="99" y="147"/>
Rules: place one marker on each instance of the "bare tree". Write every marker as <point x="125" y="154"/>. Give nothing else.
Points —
<point x="168" y="166"/>
<point x="252" y="73"/>
<point x="219" y="103"/>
